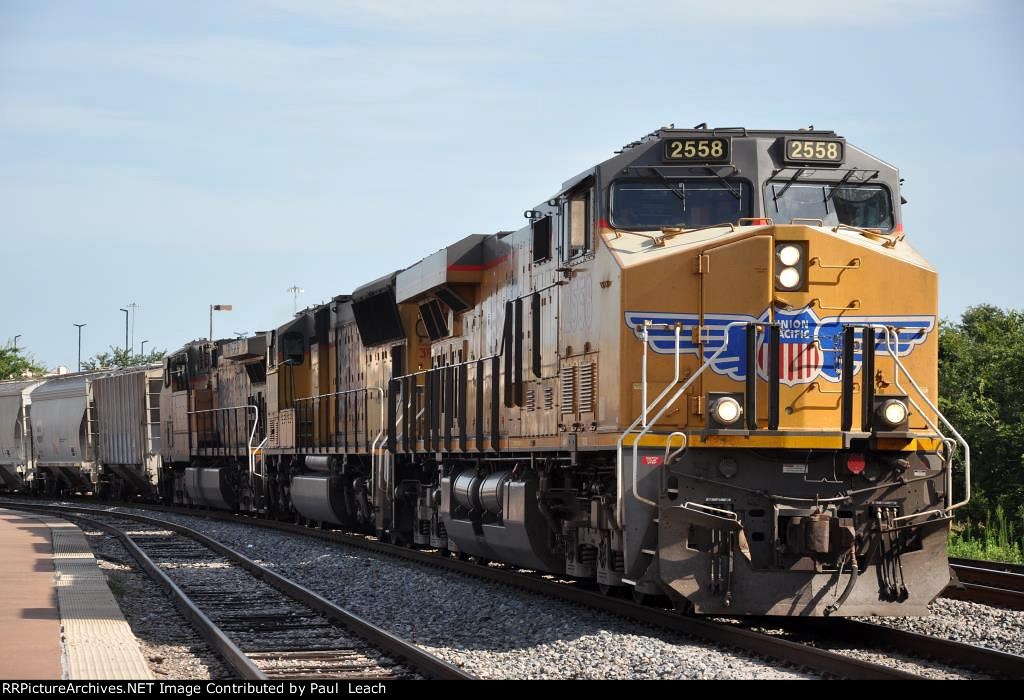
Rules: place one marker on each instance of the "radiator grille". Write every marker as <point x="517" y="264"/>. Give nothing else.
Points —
<point x="272" y="431"/>
<point x="568" y="392"/>
<point x="586" y="390"/>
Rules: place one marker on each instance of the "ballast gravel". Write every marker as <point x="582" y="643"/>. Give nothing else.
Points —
<point x="173" y="650"/>
<point x="491" y="630"/>
<point x="972" y="623"/>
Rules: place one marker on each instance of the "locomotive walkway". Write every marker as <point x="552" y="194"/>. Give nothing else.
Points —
<point x="59" y="618"/>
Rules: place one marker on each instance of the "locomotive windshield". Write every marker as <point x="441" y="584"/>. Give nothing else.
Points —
<point x="864" y="206"/>
<point x="691" y="203"/>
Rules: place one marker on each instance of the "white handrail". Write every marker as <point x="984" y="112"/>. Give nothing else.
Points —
<point x="959" y="438"/>
<point x="643" y="417"/>
<point x="252" y="433"/>
<point x="620" y="496"/>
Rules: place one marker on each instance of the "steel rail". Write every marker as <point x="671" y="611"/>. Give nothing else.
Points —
<point x="220" y="642"/>
<point x="735" y="637"/>
<point x="939" y="648"/>
<point x="419" y="660"/>
<point x="990" y="583"/>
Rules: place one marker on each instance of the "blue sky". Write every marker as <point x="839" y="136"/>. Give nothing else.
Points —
<point x="181" y="154"/>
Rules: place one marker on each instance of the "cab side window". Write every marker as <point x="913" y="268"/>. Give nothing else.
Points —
<point x="577" y="213"/>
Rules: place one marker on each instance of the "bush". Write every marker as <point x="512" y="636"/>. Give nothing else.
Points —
<point x="995" y="539"/>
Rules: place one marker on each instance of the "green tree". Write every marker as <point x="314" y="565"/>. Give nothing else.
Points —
<point x="981" y="380"/>
<point x="17" y="363"/>
<point x="117" y="357"/>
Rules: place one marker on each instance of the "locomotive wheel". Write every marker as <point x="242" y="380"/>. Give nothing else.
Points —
<point x="482" y="561"/>
<point x="609" y="590"/>
<point x="642" y="598"/>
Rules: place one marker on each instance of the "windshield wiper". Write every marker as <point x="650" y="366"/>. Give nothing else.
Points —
<point x="725" y="182"/>
<point x="838" y="185"/>
<point x="789" y="184"/>
<point x="668" y="186"/>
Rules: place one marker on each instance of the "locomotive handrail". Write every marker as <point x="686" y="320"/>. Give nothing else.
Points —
<point x="679" y="450"/>
<point x="250" y="451"/>
<point x="816" y="261"/>
<point x="956" y="435"/>
<point x="643" y="385"/>
<point x="380" y="434"/>
<point x="620" y="496"/>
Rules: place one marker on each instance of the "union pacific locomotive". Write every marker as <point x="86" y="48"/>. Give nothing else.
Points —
<point x="704" y="368"/>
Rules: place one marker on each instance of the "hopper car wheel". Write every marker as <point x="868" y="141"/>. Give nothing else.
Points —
<point x="482" y="561"/>
<point x="462" y="556"/>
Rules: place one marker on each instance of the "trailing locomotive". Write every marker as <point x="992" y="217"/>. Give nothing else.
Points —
<point x="705" y="368"/>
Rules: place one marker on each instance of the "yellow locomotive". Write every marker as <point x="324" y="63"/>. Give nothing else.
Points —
<point x="706" y="368"/>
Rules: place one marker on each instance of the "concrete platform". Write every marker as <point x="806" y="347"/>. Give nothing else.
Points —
<point x="58" y="618"/>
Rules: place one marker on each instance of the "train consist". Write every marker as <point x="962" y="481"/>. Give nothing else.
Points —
<point x="705" y="368"/>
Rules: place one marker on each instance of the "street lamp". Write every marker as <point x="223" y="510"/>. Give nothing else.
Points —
<point x="79" y="326"/>
<point x="142" y="352"/>
<point x="217" y="307"/>
<point x="125" y="337"/>
<point x="16" y="343"/>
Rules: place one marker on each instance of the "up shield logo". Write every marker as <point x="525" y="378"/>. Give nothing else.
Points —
<point x="810" y="348"/>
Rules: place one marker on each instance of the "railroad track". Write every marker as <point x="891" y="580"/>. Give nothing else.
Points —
<point x="736" y="637"/>
<point x="821" y="660"/>
<point x="264" y="626"/>
<point x="988" y="582"/>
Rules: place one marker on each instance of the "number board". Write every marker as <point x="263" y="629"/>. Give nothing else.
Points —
<point x="799" y="150"/>
<point x="698" y="150"/>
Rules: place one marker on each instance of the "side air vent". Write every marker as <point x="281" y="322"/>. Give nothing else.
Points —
<point x="586" y="388"/>
<point x="549" y="398"/>
<point x="568" y="390"/>
<point x="453" y="299"/>
<point x="434" y="319"/>
<point x="531" y="400"/>
<point x="272" y="431"/>
<point x="376" y="312"/>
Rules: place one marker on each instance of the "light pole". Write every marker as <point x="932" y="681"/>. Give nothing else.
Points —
<point x="16" y="343"/>
<point x="79" y="326"/>
<point x="142" y="352"/>
<point x="217" y="307"/>
<point x="295" y="291"/>
<point x="125" y="337"/>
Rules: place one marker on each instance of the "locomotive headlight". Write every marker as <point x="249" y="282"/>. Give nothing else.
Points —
<point x="893" y="412"/>
<point x="789" y="278"/>
<point x="790" y="265"/>
<point x="789" y="255"/>
<point x="726" y="410"/>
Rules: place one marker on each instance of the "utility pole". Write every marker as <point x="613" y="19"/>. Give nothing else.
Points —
<point x="79" y="326"/>
<point x="125" y="337"/>
<point x="217" y="307"/>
